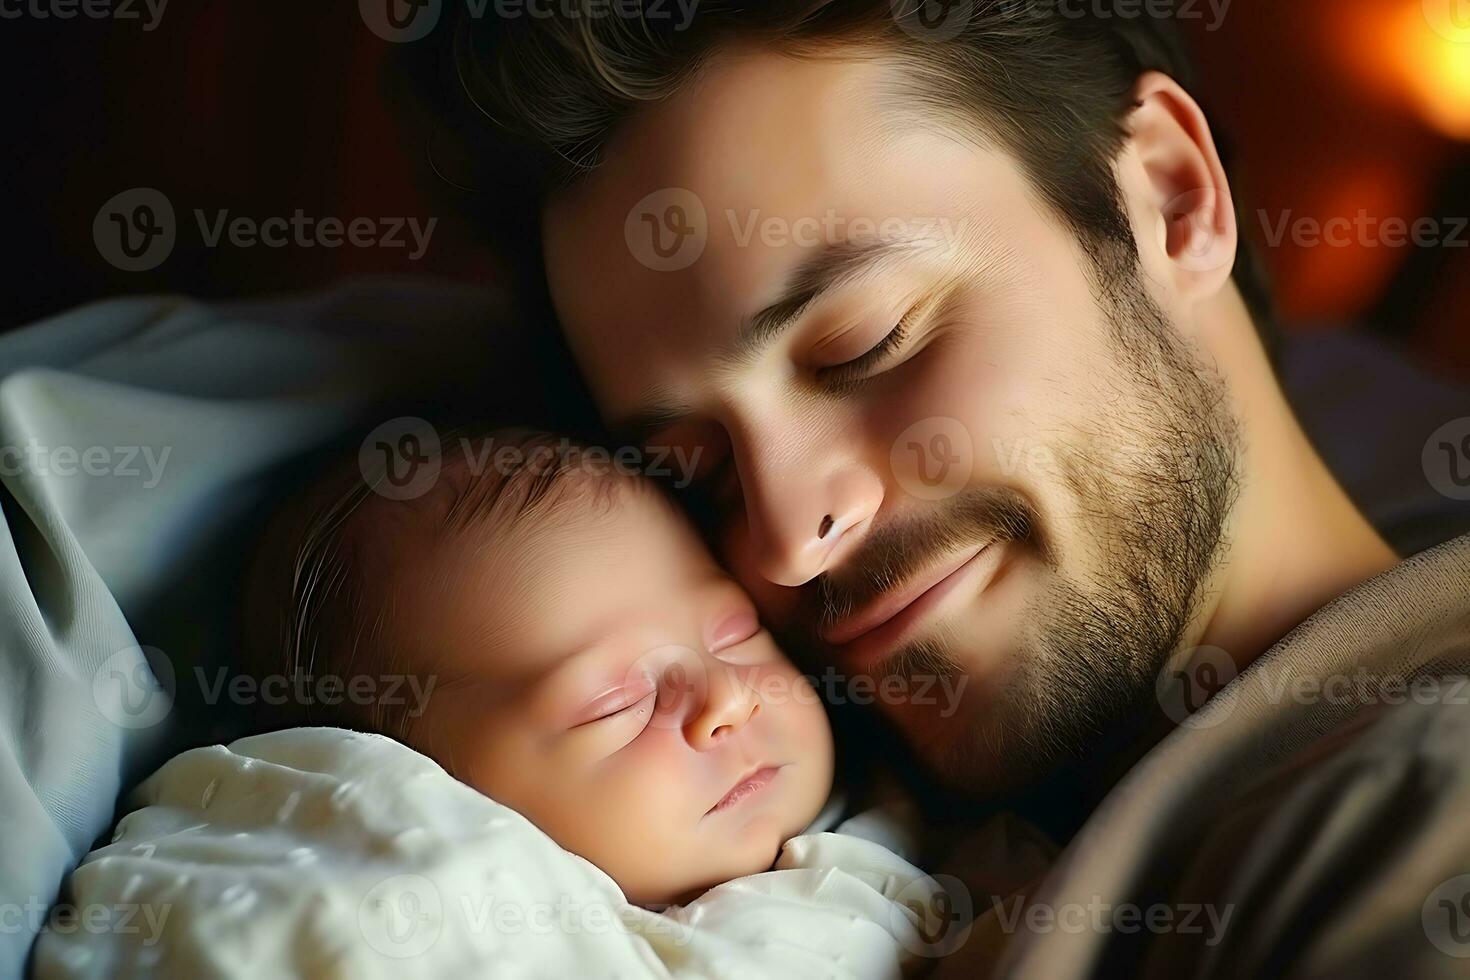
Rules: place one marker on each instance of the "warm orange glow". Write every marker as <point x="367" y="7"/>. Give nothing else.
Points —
<point x="1337" y="282"/>
<point x="1430" y="43"/>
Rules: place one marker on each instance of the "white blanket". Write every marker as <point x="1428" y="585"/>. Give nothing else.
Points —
<point x="326" y="853"/>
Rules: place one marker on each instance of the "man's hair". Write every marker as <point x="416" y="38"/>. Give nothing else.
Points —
<point x="1051" y="83"/>
<point x="314" y="602"/>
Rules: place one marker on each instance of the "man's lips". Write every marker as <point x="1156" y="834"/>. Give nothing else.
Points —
<point x="877" y="629"/>
<point x="746" y="786"/>
<point x="888" y="605"/>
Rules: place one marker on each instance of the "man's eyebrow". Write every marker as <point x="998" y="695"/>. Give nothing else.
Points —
<point x="835" y="266"/>
<point x="662" y="411"/>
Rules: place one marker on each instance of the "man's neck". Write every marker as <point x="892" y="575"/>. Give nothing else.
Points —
<point x="1295" y="539"/>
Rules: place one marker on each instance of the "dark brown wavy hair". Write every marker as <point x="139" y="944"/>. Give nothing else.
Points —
<point x="1049" y="83"/>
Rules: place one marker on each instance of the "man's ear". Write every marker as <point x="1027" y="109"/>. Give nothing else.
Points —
<point x="1178" y="189"/>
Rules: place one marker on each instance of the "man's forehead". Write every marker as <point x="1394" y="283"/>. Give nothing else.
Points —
<point x="765" y="156"/>
<point x="758" y="137"/>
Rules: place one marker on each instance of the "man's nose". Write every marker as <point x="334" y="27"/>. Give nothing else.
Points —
<point x="729" y="704"/>
<point x="805" y="507"/>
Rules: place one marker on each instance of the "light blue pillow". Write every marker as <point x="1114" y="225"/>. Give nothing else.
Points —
<point x="135" y="436"/>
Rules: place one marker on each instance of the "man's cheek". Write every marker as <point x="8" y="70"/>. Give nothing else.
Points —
<point x="777" y="604"/>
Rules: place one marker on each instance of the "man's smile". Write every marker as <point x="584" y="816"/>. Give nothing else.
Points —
<point x="868" y="635"/>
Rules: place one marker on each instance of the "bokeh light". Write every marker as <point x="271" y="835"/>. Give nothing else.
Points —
<point x="1428" y="43"/>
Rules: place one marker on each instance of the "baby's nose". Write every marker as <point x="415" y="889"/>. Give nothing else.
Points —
<point x="729" y="705"/>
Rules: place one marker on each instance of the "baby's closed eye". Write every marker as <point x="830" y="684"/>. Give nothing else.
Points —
<point x="617" y="702"/>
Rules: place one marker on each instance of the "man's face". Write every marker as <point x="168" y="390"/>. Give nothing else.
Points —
<point x="936" y="447"/>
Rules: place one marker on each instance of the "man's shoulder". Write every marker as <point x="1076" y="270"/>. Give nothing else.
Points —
<point x="1400" y="638"/>
<point x="1309" y="819"/>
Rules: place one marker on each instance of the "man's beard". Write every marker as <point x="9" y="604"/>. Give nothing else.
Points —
<point x="1094" y="645"/>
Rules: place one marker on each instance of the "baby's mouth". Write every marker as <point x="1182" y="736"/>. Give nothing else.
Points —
<point x="745" y="787"/>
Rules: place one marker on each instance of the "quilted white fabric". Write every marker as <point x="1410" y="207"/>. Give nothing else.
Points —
<point x="320" y="852"/>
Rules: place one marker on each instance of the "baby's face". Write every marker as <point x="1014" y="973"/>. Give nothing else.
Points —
<point x="600" y="674"/>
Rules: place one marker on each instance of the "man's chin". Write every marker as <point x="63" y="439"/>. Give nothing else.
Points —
<point x="1000" y="744"/>
<point x="968" y="754"/>
<point x="1005" y="745"/>
<point x="967" y="769"/>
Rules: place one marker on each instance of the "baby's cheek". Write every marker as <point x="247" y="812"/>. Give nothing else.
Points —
<point x="648" y="780"/>
<point x="804" y="724"/>
<point x="646" y="813"/>
<point x="618" y="809"/>
<point x="784" y="689"/>
<point x="493" y="760"/>
<point x="767" y="680"/>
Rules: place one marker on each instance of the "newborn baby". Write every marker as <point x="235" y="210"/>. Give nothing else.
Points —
<point x="588" y="665"/>
<point x="593" y="668"/>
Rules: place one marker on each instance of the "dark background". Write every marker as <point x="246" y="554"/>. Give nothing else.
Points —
<point x="266" y="106"/>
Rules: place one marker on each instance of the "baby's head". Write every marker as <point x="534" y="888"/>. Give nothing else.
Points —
<point x="593" y="667"/>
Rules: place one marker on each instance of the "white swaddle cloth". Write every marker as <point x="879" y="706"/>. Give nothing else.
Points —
<point x="326" y="853"/>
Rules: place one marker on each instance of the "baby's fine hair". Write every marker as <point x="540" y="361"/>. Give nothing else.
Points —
<point x="310" y="608"/>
